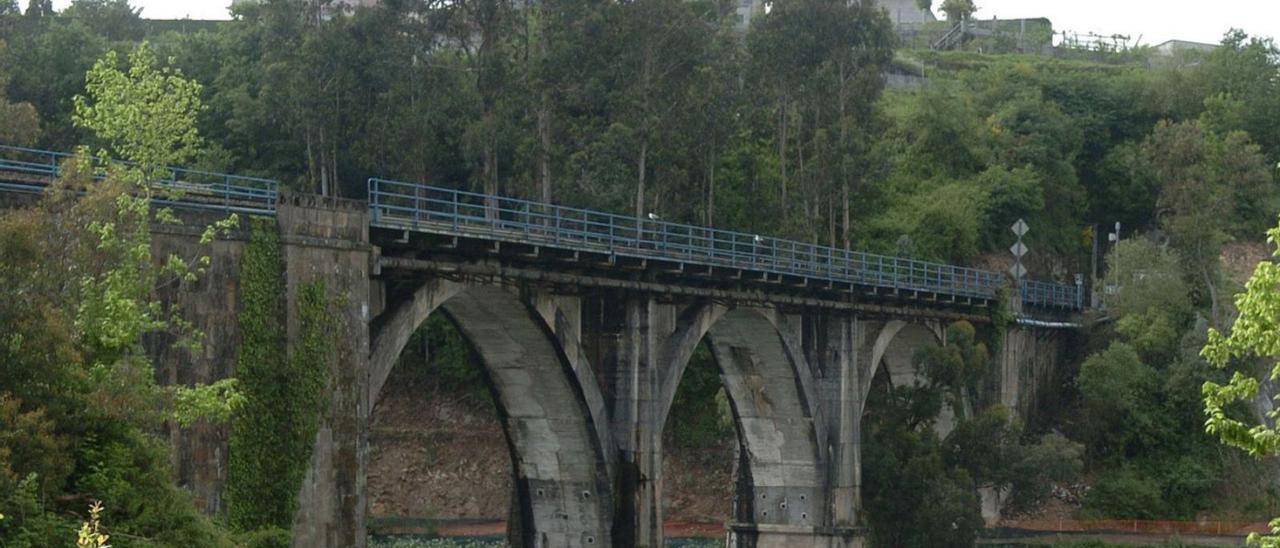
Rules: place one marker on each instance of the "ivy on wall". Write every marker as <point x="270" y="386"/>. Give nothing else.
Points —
<point x="273" y="432"/>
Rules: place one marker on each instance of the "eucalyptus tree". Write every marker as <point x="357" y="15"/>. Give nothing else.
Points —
<point x="818" y="62"/>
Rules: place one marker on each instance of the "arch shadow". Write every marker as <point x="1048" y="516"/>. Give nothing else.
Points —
<point x="895" y="353"/>
<point x="560" y="475"/>
<point x="770" y="390"/>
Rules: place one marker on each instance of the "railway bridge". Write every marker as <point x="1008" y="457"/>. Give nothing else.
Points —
<point x="585" y="322"/>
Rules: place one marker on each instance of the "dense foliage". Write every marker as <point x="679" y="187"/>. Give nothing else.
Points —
<point x="917" y="475"/>
<point x="647" y="106"/>
<point x="79" y="402"/>
<point x="1254" y="337"/>
<point x="272" y="433"/>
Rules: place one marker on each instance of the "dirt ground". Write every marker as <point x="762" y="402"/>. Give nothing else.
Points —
<point x="441" y="456"/>
<point x="435" y="455"/>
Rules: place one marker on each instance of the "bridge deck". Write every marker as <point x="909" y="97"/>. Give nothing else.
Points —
<point x="30" y="171"/>
<point x="434" y="210"/>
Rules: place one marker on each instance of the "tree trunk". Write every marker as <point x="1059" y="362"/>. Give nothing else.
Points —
<point x="711" y="190"/>
<point x="831" y="222"/>
<point x="782" y="152"/>
<point x="844" y="149"/>
<point x="311" y="158"/>
<point x="644" y="154"/>
<point x="324" y="163"/>
<point x="489" y="171"/>
<point x="1213" y="297"/>
<point x="844" y="200"/>
<point x="544" y="149"/>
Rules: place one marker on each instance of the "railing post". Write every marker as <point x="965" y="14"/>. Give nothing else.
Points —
<point x="453" y="203"/>
<point x="417" y="206"/>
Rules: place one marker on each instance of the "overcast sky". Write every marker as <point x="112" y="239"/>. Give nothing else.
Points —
<point x="1154" y="20"/>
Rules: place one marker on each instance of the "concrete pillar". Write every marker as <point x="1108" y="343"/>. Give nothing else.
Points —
<point x="841" y="347"/>
<point x="637" y="391"/>
<point x="327" y="240"/>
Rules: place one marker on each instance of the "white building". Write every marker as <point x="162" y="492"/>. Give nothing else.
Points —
<point x="745" y="10"/>
<point x="1172" y="47"/>
<point x="906" y="12"/>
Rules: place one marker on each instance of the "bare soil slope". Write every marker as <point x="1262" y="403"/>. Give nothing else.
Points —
<point x="441" y="455"/>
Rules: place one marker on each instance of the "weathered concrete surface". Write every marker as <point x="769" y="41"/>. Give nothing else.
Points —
<point x="561" y="479"/>
<point x="326" y="240"/>
<point x="1028" y="362"/>
<point x="787" y="536"/>
<point x="211" y="304"/>
<point x="584" y="378"/>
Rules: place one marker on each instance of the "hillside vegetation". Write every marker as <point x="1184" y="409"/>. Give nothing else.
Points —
<point x="651" y="106"/>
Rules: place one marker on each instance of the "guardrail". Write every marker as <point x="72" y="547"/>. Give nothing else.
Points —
<point x="1051" y="295"/>
<point x="413" y="206"/>
<point x="27" y="169"/>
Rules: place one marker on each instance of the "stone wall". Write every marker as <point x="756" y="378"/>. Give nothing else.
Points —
<point x="326" y="240"/>
<point x="1029" y="361"/>
<point x="211" y="304"/>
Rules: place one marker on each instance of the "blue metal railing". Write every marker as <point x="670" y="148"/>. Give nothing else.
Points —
<point x="395" y="204"/>
<point x="1051" y="295"/>
<point x="30" y="170"/>
<point x="412" y="206"/>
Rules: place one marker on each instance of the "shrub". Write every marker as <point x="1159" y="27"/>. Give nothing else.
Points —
<point x="1124" y="494"/>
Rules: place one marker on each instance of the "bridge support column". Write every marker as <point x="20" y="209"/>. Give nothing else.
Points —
<point x="326" y="240"/>
<point x="838" y="351"/>
<point x="637" y="391"/>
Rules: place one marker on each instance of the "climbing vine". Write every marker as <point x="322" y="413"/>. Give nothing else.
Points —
<point x="273" y="430"/>
<point x="1001" y="319"/>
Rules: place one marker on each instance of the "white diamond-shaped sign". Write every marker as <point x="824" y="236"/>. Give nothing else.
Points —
<point x="1018" y="270"/>
<point x="1020" y="228"/>
<point x="1019" y="249"/>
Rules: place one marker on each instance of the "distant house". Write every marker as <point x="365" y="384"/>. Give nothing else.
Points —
<point x="323" y="9"/>
<point x="1174" y="47"/>
<point x="744" y="11"/>
<point x="906" y="12"/>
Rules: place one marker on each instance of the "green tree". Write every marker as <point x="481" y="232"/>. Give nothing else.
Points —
<point x="50" y="57"/>
<point x="958" y="10"/>
<point x="1255" y="335"/>
<point x="1209" y="185"/>
<point x="115" y="20"/>
<point x="22" y="123"/>
<point x="169" y="102"/>
<point x="816" y="65"/>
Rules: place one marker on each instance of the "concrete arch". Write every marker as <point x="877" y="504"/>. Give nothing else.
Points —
<point x="562" y="486"/>
<point x="771" y="392"/>
<point x="895" y="347"/>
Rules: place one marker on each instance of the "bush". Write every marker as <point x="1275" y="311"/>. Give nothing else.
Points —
<point x="27" y="523"/>
<point x="129" y="471"/>
<point x="1124" y="494"/>
<point x="700" y="415"/>
<point x="270" y="537"/>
